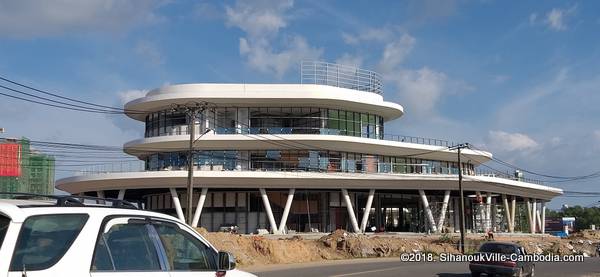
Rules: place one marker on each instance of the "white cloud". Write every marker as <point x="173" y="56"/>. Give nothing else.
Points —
<point x="420" y="89"/>
<point x="149" y="53"/>
<point x="128" y="95"/>
<point x="351" y="60"/>
<point x="509" y="142"/>
<point x="500" y="79"/>
<point x="263" y="58"/>
<point x="395" y="52"/>
<point x="29" y="18"/>
<point x="262" y="22"/>
<point x="556" y="18"/>
<point x="258" y="18"/>
<point x="597" y="135"/>
<point x="533" y="18"/>
<point x="369" y="35"/>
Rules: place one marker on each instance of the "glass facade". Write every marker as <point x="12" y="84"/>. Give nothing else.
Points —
<point x="302" y="160"/>
<point x="280" y="120"/>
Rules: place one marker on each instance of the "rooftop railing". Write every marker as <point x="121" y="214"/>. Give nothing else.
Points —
<point x="343" y="76"/>
<point x="318" y="166"/>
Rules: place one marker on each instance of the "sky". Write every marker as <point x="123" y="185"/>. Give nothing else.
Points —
<point x="517" y="78"/>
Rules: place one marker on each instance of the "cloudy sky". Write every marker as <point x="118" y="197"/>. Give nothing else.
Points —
<point x="520" y="79"/>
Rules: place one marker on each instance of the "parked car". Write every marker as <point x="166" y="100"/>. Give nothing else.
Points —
<point x="67" y="236"/>
<point x="506" y="268"/>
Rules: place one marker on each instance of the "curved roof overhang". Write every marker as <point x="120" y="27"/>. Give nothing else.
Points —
<point x="304" y="180"/>
<point x="264" y="95"/>
<point x="145" y="146"/>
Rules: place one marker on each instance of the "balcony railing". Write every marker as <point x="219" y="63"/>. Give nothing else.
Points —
<point x="322" y="73"/>
<point x="308" y="165"/>
<point x="182" y="130"/>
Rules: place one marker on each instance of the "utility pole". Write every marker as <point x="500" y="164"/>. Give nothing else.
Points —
<point x="192" y="111"/>
<point x="462" y="197"/>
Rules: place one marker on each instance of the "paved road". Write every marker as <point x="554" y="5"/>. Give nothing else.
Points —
<point x="394" y="267"/>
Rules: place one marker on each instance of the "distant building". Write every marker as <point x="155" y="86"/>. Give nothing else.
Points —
<point x="23" y="169"/>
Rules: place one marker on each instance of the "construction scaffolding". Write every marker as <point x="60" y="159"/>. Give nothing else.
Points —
<point x="35" y="172"/>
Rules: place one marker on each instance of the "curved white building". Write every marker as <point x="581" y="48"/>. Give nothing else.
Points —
<point x="309" y="156"/>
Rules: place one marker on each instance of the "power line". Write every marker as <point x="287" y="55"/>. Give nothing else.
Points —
<point x="60" y="96"/>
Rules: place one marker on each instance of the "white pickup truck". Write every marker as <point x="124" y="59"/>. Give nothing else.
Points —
<point x="66" y="236"/>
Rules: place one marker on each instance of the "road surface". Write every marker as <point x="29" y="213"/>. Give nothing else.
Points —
<point x="394" y="267"/>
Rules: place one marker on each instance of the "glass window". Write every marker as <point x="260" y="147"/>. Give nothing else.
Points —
<point x="4" y="222"/>
<point x="184" y="251"/>
<point x="126" y="246"/>
<point x="44" y="239"/>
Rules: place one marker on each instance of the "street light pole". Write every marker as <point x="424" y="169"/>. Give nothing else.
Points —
<point x="462" y="197"/>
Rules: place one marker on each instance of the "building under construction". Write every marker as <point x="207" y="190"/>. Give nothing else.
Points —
<point x="23" y="169"/>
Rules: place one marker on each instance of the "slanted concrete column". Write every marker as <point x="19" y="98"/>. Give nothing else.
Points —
<point x="488" y="211"/>
<point x="507" y="212"/>
<point x="286" y="210"/>
<point x="440" y="224"/>
<point x="543" y="223"/>
<point x="512" y="213"/>
<point x="365" y="218"/>
<point x="538" y="218"/>
<point x="529" y="215"/>
<point x="350" y="211"/>
<point x="177" y="204"/>
<point x="121" y="194"/>
<point x="265" y="198"/>
<point x="199" y="207"/>
<point x="534" y="214"/>
<point x="428" y="212"/>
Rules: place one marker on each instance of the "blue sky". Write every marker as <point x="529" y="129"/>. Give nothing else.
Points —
<point x="518" y="78"/>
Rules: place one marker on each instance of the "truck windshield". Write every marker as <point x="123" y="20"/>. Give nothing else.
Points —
<point x="4" y="221"/>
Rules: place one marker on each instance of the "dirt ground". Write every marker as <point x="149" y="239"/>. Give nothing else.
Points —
<point x="261" y="250"/>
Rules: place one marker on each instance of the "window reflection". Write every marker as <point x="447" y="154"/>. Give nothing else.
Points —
<point x="302" y="160"/>
<point x="272" y="120"/>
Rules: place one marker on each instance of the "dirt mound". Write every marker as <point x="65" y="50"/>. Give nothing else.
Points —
<point x="261" y="250"/>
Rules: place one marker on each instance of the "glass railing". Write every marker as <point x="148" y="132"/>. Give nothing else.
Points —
<point x="182" y="130"/>
<point x="307" y="165"/>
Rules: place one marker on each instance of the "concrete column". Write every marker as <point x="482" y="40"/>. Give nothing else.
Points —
<point x="121" y="194"/>
<point x="199" y="207"/>
<point x="286" y="210"/>
<point x="350" y="211"/>
<point x="177" y="204"/>
<point x="428" y="212"/>
<point x="100" y="194"/>
<point x="534" y="215"/>
<point x="543" y="223"/>
<point x="529" y="215"/>
<point x="538" y="219"/>
<point x="481" y="212"/>
<point x="488" y="211"/>
<point x="440" y="224"/>
<point x="512" y="213"/>
<point x="509" y="221"/>
<point x="365" y="218"/>
<point x="265" y="198"/>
